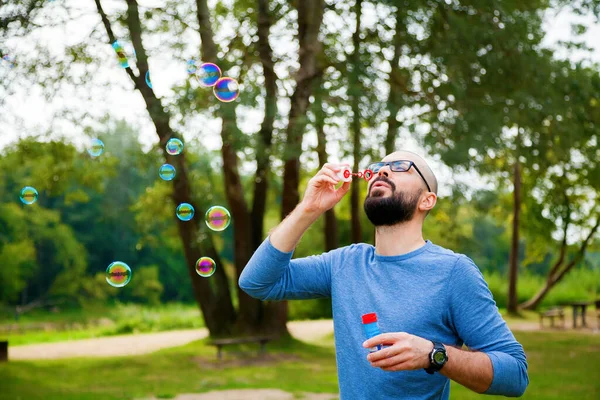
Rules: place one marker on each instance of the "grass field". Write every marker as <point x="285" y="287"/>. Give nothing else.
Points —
<point x="562" y="365"/>
<point x="69" y="324"/>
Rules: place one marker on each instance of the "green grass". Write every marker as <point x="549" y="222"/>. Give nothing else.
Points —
<point x="579" y="284"/>
<point x="561" y="366"/>
<point x="42" y="326"/>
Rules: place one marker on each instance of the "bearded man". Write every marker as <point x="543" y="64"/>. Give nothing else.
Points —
<point x="429" y="301"/>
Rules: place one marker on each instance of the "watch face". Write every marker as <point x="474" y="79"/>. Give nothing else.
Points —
<point x="439" y="357"/>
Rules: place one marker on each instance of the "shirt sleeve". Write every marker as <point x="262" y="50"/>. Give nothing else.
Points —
<point x="477" y="321"/>
<point x="273" y="275"/>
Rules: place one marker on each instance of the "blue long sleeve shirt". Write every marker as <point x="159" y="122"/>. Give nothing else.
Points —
<point x="430" y="292"/>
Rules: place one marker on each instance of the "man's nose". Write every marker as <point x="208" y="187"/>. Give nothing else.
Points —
<point x="384" y="171"/>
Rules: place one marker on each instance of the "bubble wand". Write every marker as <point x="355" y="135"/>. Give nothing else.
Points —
<point x="346" y="174"/>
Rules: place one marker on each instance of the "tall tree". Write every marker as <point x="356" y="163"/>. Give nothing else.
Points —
<point x="397" y="83"/>
<point x="489" y="105"/>
<point x="310" y="17"/>
<point x="330" y="231"/>
<point x="213" y="297"/>
<point x="354" y="92"/>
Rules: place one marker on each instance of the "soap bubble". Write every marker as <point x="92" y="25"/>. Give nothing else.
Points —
<point x="96" y="147"/>
<point x="167" y="172"/>
<point x="28" y="195"/>
<point x="174" y="146"/>
<point x="226" y="89"/>
<point x="208" y="74"/>
<point x="205" y="266"/>
<point x="185" y="211"/>
<point x="118" y="274"/>
<point x="217" y="218"/>
<point x="121" y="55"/>
<point x="8" y="60"/>
<point x="148" y="81"/>
<point x="191" y="67"/>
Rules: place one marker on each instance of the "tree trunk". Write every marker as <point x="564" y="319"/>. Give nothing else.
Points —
<point x="254" y="316"/>
<point x="330" y="232"/>
<point x="266" y="129"/>
<point x="310" y="17"/>
<point x="214" y="297"/>
<point x="355" y="91"/>
<point x="556" y="274"/>
<point x="394" y="81"/>
<point x="514" y="250"/>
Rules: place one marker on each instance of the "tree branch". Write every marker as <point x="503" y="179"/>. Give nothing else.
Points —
<point x="266" y="130"/>
<point x="581" y="252"/>
<point x="111" y="36"/>
<point x="563" y="247"/>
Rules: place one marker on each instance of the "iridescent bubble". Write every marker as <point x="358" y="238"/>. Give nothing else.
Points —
<point x="208" y="74"/>
<point x="121" y="55"/>
<point x="167" y="172"/>
<point x="148" y="81"/>
<point x="174" y="146"/>
<point x="217" y="218"/>
<point x="226" y="89"/>
<point x="191" y="67"/>
<point x="28" y="195"/>
<point x="10" y="61"/>
<point x="96" y="147"/>
<point x="205" y="266"/>
<point x="185" y="211"/>
<point x="118" y="274"/>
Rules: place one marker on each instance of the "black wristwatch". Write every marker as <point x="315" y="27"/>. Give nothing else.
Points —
<point x="437" y="358"/>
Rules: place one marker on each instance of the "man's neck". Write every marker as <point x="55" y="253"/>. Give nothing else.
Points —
<point x="399" y="239"/>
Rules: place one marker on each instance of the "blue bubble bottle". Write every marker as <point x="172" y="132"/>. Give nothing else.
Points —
<point x="371" y="329"/>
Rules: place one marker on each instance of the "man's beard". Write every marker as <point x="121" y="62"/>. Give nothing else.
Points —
<point x="386" y="211"/>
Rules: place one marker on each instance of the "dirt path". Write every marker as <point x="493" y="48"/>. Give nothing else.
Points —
<point x="127" y="345"/>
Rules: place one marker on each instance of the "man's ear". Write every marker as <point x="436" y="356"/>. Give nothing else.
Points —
<point x="428" y="201"/>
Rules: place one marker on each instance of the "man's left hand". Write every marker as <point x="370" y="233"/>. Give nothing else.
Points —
<point x="405" y="351"/>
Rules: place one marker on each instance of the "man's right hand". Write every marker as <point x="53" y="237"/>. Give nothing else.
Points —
<point x="321" y="194"/>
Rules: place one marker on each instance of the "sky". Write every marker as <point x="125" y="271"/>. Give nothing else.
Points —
<point x="36" y="113"/>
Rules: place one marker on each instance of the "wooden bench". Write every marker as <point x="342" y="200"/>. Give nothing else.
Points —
<point x="551" y="314"/>
<point x="222" y="342"/>
<point x="3" y="350"/>
<point x="597" y="304"/>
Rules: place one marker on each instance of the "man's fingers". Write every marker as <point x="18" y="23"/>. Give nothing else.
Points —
<point x="324" y="179"/>
<point x="329" y="172"/>
<point x="333" y="167"/>
<point x="385" y="338"/>
<point x="385" y="353"/>
<point x="390" y="361"/>
<point x="342" y="190"/>
<point x="403" y="366"/>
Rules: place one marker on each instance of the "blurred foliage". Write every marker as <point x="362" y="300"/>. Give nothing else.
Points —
<point x="475" y="87"/>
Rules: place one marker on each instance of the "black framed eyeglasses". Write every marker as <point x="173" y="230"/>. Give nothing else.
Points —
<point x="397" y="166"/>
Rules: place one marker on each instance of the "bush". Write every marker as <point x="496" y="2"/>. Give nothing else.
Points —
<point x="309" y="309"/>
<point x="579" y="284"/>
<point x="131" y="318"/>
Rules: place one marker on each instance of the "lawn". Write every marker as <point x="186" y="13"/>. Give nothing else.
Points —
<point x="562" y="366"/>
<point x="42" y="326"/>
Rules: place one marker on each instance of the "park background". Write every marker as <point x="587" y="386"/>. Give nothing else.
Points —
<point x="503" y="98"/>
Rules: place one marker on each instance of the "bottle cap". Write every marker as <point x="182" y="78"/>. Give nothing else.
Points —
<point x="369" y="318"/>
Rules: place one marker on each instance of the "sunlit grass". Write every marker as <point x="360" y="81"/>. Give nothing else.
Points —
<point x="70" y="324"/>
<point x="561" y="366"/>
